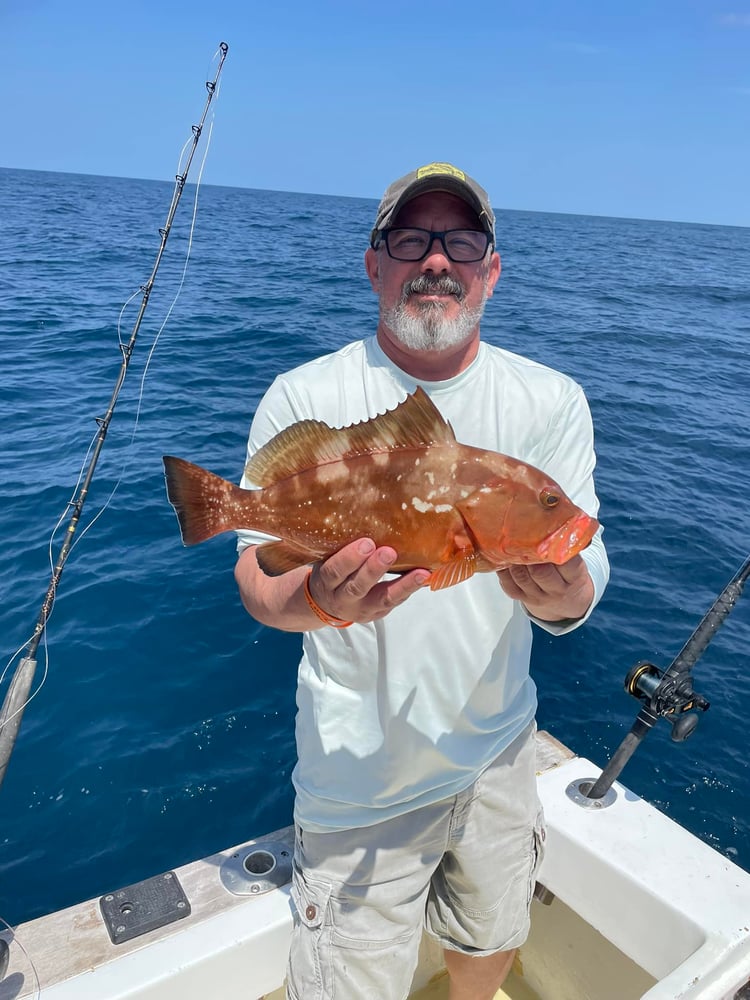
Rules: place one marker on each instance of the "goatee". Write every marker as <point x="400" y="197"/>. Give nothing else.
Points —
<point x="429" y="329"/>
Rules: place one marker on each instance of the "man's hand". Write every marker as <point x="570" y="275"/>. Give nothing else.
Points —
<point x="348" y="584"/>
<point x="550" y="593"/>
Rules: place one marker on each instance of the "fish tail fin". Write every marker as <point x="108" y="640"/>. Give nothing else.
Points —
<point x="205" y="504"/>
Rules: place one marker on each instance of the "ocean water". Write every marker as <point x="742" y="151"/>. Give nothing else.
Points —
<point x="164" y="727"/>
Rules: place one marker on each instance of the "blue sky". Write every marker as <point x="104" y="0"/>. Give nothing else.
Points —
<point x="638" y="109"/>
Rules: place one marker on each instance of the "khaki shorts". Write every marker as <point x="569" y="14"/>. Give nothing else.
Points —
<point x="463" y="868"/>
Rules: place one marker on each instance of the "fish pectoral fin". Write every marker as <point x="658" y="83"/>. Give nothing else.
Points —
<point x="275" y="558"/>
<point x="460" y="568"/>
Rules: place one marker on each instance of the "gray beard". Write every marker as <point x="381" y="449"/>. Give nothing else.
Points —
<point x="430" y="330"/>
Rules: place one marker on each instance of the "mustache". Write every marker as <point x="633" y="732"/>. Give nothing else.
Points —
<point x="427" y="284"/>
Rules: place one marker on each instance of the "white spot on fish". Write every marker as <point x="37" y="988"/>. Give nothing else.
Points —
<point x="430" y="478"/>
<point x="424" y="507"/>
<point x="403" y="506"/>
<point x="329" y="474"/>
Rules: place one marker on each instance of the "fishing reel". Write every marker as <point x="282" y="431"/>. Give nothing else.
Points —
<point x="669" y="695"/>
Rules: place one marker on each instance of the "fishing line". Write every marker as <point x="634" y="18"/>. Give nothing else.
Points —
<point x="17" y="697"/>
<point x="92" y="443"/>
<point x="152" y="349"/>
<point x="177" y="294"/>
<point x="182" y="278"/>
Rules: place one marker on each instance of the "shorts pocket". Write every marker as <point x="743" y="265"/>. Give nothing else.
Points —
<point x="372" y="959"/>
<point x="310" y="898"/>
<point x="538" y="845"/>
<point x="361" y="927"/>
<point x="307" y="972"/>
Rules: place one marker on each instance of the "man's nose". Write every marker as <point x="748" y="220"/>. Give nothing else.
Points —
<point x="436" y="259"/>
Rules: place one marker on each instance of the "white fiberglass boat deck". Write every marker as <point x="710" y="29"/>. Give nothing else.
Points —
<point x="639" y="908"/>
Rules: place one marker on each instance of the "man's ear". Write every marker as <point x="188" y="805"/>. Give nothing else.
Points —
<point x="372" y="266"/>
<point x="493" y="273"/>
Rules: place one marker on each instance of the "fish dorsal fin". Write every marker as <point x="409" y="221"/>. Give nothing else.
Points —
<point x="415" y="423"/>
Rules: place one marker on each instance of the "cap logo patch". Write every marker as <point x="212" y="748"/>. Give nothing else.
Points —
<point x="440" y="168"/>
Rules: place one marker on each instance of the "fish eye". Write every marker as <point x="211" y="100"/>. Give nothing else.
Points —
<point x="549" y="499"/>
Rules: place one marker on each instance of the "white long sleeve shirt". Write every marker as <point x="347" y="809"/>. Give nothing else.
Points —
<point x="410" y="709"/>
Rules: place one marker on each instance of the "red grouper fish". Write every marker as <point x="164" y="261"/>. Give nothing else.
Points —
<point x="401" y="479"/>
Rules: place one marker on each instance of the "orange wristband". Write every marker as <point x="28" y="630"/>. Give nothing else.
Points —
<point x="317" y="610"/>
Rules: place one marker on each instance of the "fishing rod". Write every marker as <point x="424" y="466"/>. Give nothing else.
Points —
<point x="17" y="696"/>
<point x="670" y="695"/>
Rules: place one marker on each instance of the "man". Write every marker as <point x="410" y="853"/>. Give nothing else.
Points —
<point x="415" y="783"/>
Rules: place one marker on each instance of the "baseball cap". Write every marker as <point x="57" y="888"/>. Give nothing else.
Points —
<point x="433" y="177"/>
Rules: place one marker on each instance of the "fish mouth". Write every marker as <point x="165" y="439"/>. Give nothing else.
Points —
<point x="568" y="540"/>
